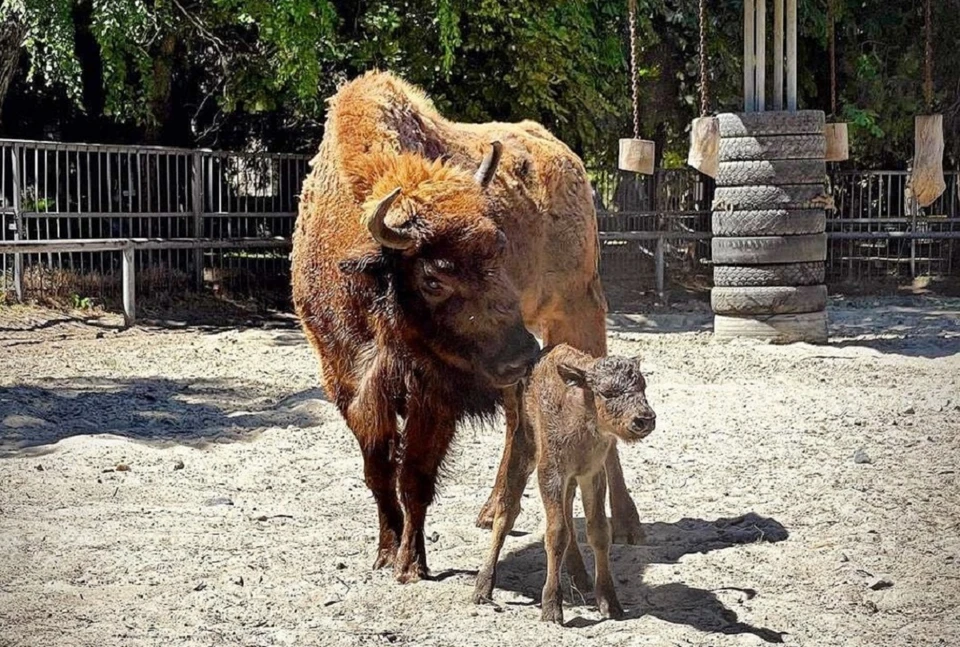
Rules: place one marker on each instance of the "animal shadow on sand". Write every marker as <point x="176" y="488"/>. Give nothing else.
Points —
<point x="523" y="572"/>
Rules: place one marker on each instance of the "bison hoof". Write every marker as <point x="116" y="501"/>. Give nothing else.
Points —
<point x="385" y="558"/>
<point x="413" y="573"/>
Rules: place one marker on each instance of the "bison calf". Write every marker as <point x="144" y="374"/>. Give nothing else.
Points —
<point x="573" y="408"/>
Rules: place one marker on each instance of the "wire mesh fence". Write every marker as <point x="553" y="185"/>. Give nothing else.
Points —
<point x="60" y="191"/>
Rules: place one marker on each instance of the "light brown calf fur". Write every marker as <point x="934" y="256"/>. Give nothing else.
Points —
<point x="573" y="408"/>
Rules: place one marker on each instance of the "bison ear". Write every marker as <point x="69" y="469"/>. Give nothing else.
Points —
<point x="368" y="262"/>
<point x="572" y="375"/>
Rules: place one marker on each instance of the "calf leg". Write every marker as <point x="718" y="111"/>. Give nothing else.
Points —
<point x="425" y="444"/>
<point x="572" y="558"/>
<point x="553" y="492"/>
<point x="598" y="532"/>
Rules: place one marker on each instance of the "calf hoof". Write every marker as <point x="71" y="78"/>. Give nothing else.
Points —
<point x="627" y="531"/>
<point x="610" y="609"/>
<point x="552" y="613"/>
<point x="483" y="591"/>
<point x="486" y="516"/>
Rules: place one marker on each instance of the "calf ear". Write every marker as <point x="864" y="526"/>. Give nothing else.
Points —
<point x="572" y="375"/>
<point x="367" y="262"/>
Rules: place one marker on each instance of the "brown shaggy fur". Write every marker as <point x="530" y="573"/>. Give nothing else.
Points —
<point x="518" y="255"/>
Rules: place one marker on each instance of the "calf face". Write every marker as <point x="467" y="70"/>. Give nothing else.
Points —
<point x="619" y="395"/>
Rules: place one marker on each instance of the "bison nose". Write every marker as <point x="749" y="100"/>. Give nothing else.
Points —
<point x="645" y="422"/>
<point x="517" y="360"/>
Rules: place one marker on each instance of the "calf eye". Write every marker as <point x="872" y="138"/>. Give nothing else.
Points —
<point x="432" y="284"/>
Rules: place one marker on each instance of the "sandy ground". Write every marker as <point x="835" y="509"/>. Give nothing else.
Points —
<point x="242" y="517"/>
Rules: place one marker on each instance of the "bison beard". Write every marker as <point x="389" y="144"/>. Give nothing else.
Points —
<point x="421" y="262"/>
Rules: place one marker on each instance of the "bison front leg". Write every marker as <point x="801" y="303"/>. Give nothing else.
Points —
<point x="375" y="429"/>
<point x="515" y="450"/>
<point x="425" y="444"/>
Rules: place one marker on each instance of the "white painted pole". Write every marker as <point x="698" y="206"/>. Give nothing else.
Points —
<point x="129" y="287"/>
<point x="761" y="45"/>
<point x="792" y="55"/>
<point x="749" y="96"/>
<point x="778" y="54"/>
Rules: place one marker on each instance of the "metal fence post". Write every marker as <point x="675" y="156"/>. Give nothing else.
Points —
<point x="18" y="223"/>
<point x="660" y="267"/>
<point x="197" y="198"/>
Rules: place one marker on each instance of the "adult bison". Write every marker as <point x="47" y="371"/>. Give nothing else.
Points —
<point x="419" y="272"/>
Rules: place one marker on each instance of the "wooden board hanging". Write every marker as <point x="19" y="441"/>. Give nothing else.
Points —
<point x="926" y="180"/>
<point x="838" y="143"/>
<point x="637" y="155"/>
<point x="704" y="152"/>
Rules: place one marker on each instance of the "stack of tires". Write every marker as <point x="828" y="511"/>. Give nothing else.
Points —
<point x="769" y="220"/>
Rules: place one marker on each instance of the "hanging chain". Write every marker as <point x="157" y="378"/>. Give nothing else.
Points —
<point x="704" y="82"/>
<point x="831" y="28"/>
<point x="928" y="59"/>
<point x="633" y="68"/>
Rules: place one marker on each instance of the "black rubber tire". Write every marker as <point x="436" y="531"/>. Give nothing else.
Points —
<point x="809" y="327"/>
<point x="772" y="172"/>
<point x="768" y="300"/>
<point x="769" y="250"/>
<point x="787" y="274"/>
<point x="762" y="198"/>
<point x="802" y="122"/>
<point x="773" y="147"/>
<point x="769" y="222"/>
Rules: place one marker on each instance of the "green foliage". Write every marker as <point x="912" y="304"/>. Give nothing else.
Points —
<point x="82" y="303"/>
<point x="561" y="62"/>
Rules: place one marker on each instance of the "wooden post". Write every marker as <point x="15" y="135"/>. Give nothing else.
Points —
<point x="18" y="223"/>
<point x="761" y="45"/>
<point x="749" y="80"/>
<point x="778" y="54"/>
<point x="792" y="55"/>
<point x="129" y="286"/>
<point x="196" y="197"/>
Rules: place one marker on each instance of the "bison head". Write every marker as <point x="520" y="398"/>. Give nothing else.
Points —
<point x="439" y="257"/>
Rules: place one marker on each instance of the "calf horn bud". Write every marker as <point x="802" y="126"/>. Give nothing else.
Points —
<point x="383" y="233"/>
<point x="488" y="168"/>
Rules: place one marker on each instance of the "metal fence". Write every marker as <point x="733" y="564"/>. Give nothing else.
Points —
<point x="57" y="191"/>
<point x="654" y="229"/>
<point x="877" y="232"/>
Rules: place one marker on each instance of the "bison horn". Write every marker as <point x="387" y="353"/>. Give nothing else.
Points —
<point x="383" y="233"/>
<point x="488" y="168"/>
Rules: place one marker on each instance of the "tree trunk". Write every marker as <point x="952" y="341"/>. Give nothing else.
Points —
<point x="13" y="31"/>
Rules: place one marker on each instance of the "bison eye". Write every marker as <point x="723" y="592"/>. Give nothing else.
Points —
<point x="435" y="290"/>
